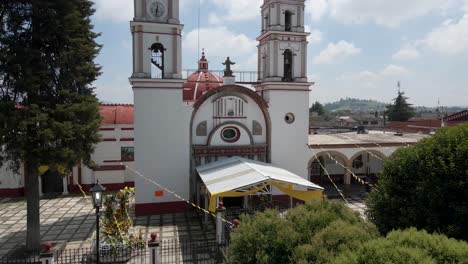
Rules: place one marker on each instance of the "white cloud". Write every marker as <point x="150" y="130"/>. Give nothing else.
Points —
<point x="238" y="10"/>
<point x="116" y="91"/>
<point x="219" y="41"/>
<point x="316" y="8"/>
<point x="394" y="71"/>
<point x="406" y="53"/>
<point x="114" y="10"/>
<point x="336" y="53"/>
<point x="315" y="37"/>
<point x="450" y="37"/>
<point x="382" y="12"/>
<point x="370" y="78"/>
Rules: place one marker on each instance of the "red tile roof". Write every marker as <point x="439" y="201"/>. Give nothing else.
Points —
<point x="116" y="114"/>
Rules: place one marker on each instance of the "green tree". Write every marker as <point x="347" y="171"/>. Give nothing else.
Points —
<point x="400" y="110"/>
<point x="318" y="108"/>
<point x="408" y="246"/>
<point x="330" y="241"/>
<point x="329" y="232"/>
<point x="270" y="237"/>
<point x="424" y="186"/>
<point x="49" y="114"/>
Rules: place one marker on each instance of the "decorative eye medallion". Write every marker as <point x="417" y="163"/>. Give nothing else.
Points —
<point x="157" y="9"/>
<point x="289" y="118"/>
<point x="230" y="134"/>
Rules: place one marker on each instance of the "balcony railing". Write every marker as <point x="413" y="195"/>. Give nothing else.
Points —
<point x="242" y="77"/>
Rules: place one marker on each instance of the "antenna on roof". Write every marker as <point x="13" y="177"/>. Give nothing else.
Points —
<point x="199" y="12"/>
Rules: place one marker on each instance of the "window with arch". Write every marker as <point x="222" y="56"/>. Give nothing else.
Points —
<point x="256" y="128"/>
<point x="287" y="20"/>
<point x="288" y="64"/>
<point x="157" y="61"/>
<point x="201" y="129"/>
<point x="264" y="64"/>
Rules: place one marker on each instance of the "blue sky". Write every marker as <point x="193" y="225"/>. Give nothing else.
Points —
<point x="358" y="48"/>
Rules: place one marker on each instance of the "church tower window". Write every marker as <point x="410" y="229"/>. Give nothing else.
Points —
<point x="288" y="57"/>
<point x="287" y="21"/>
<point x="157" y="61"/>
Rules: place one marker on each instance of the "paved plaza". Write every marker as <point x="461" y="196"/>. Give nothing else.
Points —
<point x="72" y="219"/>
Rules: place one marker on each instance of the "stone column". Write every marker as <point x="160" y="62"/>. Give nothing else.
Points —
<point x="65" y="185"/>
<point x="153" y="248"/>
<point x="40" y="187"/>
<point x="347" y="177"/>
<point x="47" y="256"/>
<point x="219" y="223"/>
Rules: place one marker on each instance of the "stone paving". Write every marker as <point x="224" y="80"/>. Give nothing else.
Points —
<point x="357" y="204"/>
<point x="72" y="219"/>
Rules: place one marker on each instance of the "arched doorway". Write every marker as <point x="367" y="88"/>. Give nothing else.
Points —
<point x="318" y="168"/>
<point x="367" y="165"/>
<point x="52" y="182"/>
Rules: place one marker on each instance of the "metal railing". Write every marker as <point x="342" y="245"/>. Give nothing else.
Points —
<point x="241" y="77"/>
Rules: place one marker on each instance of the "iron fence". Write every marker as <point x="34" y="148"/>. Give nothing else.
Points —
<point x="84" y="256"/>
<point x="190" y="251"/>
<point x="31" y="258"/>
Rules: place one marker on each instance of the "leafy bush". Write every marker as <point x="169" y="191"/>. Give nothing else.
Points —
<point x="271" y="237"/>
<point x="381" y="250"/>
<point x="409" y="246"/>
<point x="329" y="232"/>
<point x="336" y="237"/>
<point x="117" y="223"/>
<point x="424" y="186"/>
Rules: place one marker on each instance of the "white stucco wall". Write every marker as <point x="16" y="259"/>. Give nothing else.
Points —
<point x="161" y="143"/>
<point x="106" y="151"/>
<point x="10" y="179"/>
<point x="289" y="141"/>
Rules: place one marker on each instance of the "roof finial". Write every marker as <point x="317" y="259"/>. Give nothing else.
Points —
<point x="203" y="62"/>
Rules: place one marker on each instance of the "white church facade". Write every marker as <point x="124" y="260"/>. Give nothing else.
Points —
<point x="178" y="126"/>
<point x="267" y="124"/>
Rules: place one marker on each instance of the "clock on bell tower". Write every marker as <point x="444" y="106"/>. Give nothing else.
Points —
<point x="156" y="33"/>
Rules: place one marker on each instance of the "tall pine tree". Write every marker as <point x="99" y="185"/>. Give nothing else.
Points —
<point x="49" y="114"/>
<point x="400" y="110"/>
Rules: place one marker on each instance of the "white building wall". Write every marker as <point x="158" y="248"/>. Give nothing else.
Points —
<point x="10" y="179"/>
<point x="161" y="143"/>
<point x="289" y="141"/>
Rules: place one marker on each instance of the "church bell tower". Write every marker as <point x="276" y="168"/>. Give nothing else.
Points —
<point x="161" y="120"/>
<point x="282" y="76"/>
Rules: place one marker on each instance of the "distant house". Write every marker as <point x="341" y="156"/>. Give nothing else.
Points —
<point x="420" y="126"/>
<point x="456" y="119"/>
<point x="368" y="120"/>
<point x="346" y="121"/>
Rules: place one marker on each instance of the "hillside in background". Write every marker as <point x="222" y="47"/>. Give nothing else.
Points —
<point x="363" y="105"/>
<point x="355" y="105"/>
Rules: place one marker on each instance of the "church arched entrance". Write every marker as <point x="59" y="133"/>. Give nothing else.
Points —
<point x="52" y="182"/>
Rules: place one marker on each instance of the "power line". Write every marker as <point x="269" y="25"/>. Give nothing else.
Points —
<point x="175" y="194"/>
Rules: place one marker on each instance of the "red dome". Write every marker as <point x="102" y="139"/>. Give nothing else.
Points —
<point x="201" y="81"/>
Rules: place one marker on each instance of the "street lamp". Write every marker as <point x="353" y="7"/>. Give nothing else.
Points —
<point x="96" y="192"/>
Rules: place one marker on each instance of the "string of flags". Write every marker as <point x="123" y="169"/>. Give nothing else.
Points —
<point x="328" y="175"/>
<point x="358" y="179"/>
<point x="176" y="195"/>
<point x="370" y="153"/>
